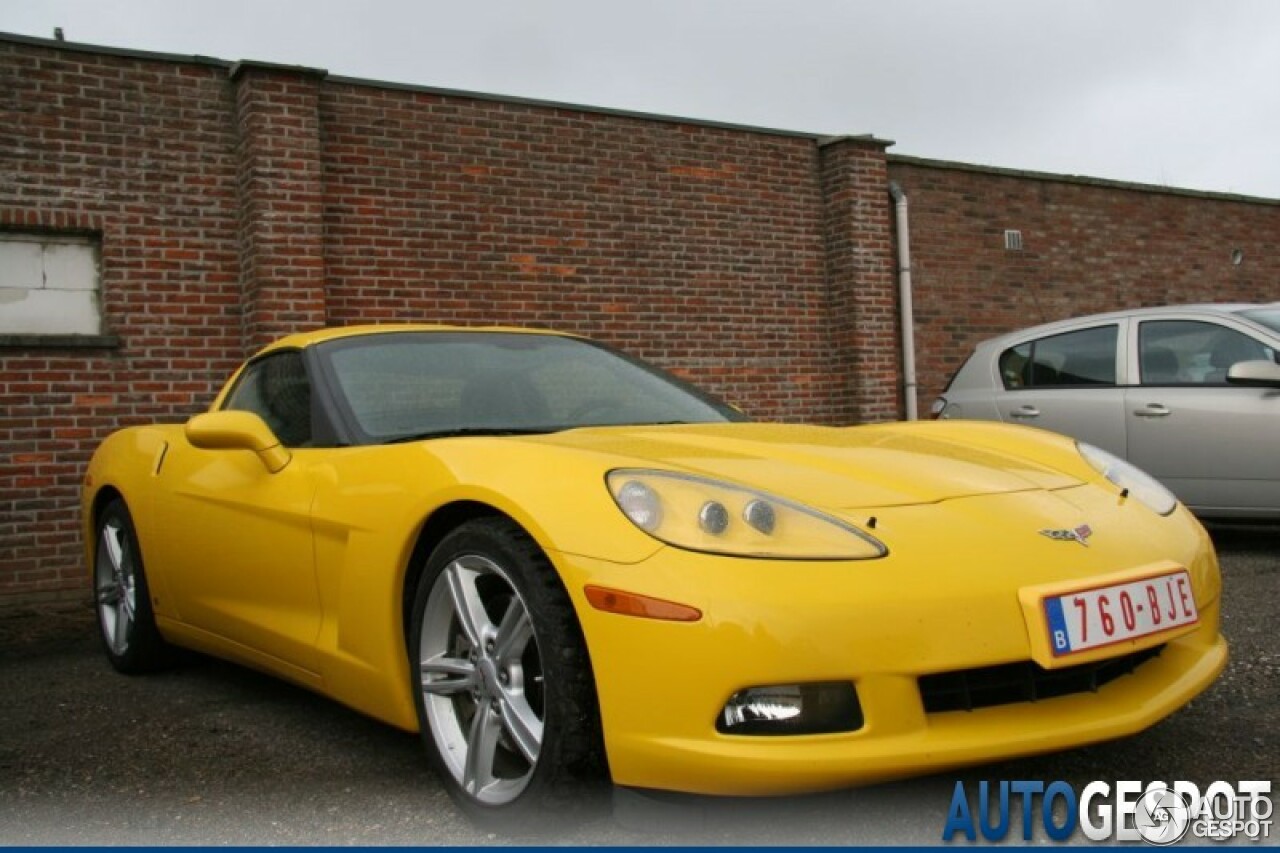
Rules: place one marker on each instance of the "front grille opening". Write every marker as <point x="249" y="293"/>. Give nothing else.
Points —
<point x="1025" y="681"/>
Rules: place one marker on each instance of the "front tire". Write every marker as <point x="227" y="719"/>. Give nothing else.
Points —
<point x="505" y="697"/>
<point x="126" y="621"/>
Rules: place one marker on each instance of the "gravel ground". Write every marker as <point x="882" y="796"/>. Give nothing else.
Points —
<point x="209" y="753"/>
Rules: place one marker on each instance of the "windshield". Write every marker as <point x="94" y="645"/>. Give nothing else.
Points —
<point x="1269" y="316"/>
<point x="407" y="385"/>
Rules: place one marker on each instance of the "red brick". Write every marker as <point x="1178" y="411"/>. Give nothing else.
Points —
<point x="758" y="265"/>
<point x="1088" y="247"/>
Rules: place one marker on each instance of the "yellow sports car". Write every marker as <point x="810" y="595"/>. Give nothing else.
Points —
<point x="559" y="564"/>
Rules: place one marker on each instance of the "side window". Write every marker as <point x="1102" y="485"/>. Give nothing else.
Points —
<point x="1072" y="359"/>
<point x="1191" y="352"/>
<point x="277" y="390"/>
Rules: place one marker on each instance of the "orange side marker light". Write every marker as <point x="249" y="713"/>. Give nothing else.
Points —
<point x="634" y="604"/>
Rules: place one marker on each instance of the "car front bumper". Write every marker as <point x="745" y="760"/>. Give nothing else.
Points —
<point x="946" y="603"/>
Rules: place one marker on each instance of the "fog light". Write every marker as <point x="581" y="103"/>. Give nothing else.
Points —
<point x="764" y="705"/>
<point x="792" y="709"/>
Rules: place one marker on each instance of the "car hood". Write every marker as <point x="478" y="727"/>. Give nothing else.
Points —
<point x="839" y="468"/>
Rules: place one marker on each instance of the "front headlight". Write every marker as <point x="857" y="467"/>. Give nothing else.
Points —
<point x="1132" y="479"/>
<point x="718" y="518"/>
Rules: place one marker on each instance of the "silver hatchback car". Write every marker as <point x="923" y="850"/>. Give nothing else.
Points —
<point x="1190" y="394"/>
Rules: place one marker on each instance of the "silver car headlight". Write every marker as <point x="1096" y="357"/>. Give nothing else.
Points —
<point x="706" y="515"/>
<point x="1130" y="478"/>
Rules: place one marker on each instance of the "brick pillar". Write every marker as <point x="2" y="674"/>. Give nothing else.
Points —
<point x="857" y="227"/>
<point x="280" y="189"/>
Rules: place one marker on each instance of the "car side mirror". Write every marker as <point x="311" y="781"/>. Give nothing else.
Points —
<point x="1259" y="374"/>
<point x="236" y="430"/>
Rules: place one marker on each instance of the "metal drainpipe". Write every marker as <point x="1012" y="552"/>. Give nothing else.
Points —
<point x="904" y="300"/>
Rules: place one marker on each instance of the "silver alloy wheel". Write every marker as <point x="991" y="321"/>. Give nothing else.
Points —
<point x="481" y="680"/>
<point x="115" y="585"/>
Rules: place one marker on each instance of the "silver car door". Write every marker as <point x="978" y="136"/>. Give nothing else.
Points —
<point x="1217" y="446"/>
<point x="1067" y="382"/>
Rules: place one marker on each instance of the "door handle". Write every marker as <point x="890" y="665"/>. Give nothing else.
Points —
<point x="1025" y="412"/>
<point x="1153" y="410"/>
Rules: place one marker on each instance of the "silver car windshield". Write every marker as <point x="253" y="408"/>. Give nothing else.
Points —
<point x="1269" y="317"/>
<point x="411" y="385"/>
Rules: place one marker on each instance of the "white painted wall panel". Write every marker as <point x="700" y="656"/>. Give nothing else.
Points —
<point x="71" y="266"/>
<point x="49" y="285"/>
<point x="49" y="312"/>
<point x="21" y="264"/>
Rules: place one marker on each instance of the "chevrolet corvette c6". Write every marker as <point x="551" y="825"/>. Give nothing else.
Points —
<point x="557" y="563"/>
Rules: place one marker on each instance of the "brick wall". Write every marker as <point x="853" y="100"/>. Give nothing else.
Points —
<point x="141" y="154"/>
<point x="234" y="203"/>
<point x="280" y="191"/>
<point x="862" y="286"/>
<point x="699" y="248"/>
<point x="1088" y="246"/>
<point x="238" y="202"/>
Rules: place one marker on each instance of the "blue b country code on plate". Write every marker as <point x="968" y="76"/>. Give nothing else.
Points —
<point x="1104" y="615"/>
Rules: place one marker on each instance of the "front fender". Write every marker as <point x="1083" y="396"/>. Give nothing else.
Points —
<point x="370" y="508"/>
<point x="126" y="464"/>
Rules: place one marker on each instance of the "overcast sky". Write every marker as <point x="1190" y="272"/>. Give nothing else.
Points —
<point x="1168" y="92"/>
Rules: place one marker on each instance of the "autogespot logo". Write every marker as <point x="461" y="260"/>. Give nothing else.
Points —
<point x="1162" y="816"/>
<point x="1156" y="813"/>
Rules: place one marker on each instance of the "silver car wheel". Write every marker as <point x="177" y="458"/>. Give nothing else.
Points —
<point x="482" y="680"/>
<point x="115" y="586"/>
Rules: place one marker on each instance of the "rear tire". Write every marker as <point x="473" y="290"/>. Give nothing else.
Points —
<point x="126" y="621"/>
<point x="502" y="680"/>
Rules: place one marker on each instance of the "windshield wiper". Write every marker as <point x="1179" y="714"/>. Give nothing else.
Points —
<point x="634" y="424"/>
<point x="471" y="431"/>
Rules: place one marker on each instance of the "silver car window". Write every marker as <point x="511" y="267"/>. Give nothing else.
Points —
<point x="1073" y="359"/>
<point x="1192" y="352"/>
